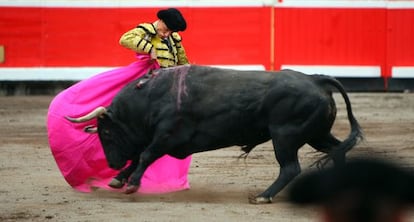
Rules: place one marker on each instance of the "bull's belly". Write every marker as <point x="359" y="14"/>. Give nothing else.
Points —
<point x="202" y="141"/>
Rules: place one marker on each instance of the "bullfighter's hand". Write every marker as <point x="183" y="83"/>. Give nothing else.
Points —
<point x="153" y="54"/>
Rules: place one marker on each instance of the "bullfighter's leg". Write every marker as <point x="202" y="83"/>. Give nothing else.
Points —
<point x="286" y="152"/>
<point x="123" y="176"/>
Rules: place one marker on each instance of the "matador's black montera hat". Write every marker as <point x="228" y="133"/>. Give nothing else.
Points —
<point x="173" y="19"/>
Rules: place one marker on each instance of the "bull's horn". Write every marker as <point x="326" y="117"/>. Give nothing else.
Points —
<point x="95" y="113"/>
<point x="91" y="129"/>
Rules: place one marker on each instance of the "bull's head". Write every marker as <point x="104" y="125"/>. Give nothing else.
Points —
<point x="112" y="134"/>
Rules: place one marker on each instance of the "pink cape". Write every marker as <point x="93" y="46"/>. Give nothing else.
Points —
<point x="80" y="156"/>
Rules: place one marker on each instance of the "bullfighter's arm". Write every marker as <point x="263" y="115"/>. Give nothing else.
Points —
<point x="182" y="56"/>
<point x="137" y="40"/>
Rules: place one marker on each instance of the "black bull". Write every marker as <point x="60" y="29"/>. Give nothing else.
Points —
<point x="190" y="109"/>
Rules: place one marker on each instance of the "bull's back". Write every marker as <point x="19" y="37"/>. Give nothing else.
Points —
<point x="205" y="91"/>
<point x="217" y="89"/>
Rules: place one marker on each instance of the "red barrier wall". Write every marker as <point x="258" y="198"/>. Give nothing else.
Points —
<point x="78" y="37"/>
<point x="89" y="36"/>
<point x="309" y="36"/>
<point x="400" y="39"/>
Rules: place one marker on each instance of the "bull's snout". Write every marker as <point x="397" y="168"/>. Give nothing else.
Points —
<point x="115" y="167"/>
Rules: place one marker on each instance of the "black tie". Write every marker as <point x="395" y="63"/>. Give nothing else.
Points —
<point x="165" y="41"/>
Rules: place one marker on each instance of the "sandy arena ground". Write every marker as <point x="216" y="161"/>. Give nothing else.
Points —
<point x="33" y="189"/>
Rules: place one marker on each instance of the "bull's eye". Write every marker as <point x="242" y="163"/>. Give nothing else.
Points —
<point x="106" y="133"/>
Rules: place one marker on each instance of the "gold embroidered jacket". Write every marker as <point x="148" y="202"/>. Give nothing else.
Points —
<point x="143" y="38"/>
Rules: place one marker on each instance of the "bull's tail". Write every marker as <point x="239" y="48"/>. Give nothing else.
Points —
<point x="355" y="135"/>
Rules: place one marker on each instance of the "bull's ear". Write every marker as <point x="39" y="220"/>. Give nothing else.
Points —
<point x="91" y="129"/>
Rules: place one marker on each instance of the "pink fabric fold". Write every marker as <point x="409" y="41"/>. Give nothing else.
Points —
<point x="79" y="155"/>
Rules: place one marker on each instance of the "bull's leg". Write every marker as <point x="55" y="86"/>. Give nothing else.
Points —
<point x="146" y="159"/>
<point x="163" y="141"/>
<point x="286" y="151"/>
<point x="327" y="144"/>
<point x="324" y="143"/>
<point x="123" y="176"/>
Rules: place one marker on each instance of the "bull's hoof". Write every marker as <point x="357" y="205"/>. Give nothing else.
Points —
<point x="115" y="183"/>
<point x="260" y="200"/>
<point x="131" y="189"/>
